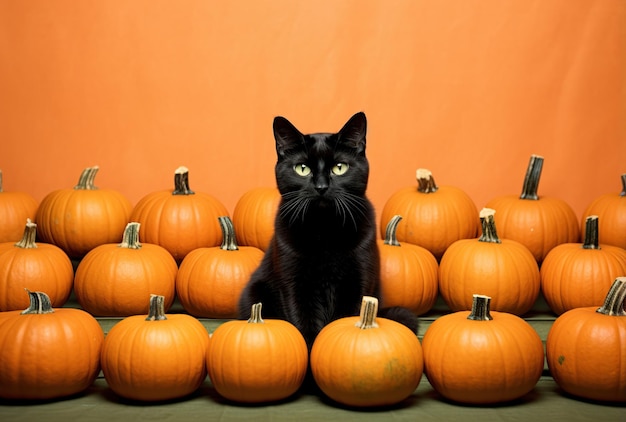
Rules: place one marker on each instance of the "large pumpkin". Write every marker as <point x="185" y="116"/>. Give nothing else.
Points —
<point x="482" y="357"/>
<point x="408" y="273"/>
<point x="586" y="348"/>
<point x="180" y="220"/>
<point x="210" y="280"/>
<point x="538" y="222"/>
<point x="365" y="361"/>
<point x="254" y="216"/>
<point x="611" y="209"/>
<point x="575" y="275"/>
<point x="79" y="219"/>
<point x="36" y="267"/>
<point x="48" y="353"/>
<point x="115" y="279"/>
<point x="434" y="216"/>
<point x="257" y="361"/>
<point x="15" y="208"/>
<point x="157" y="356"/>
<point x="500" y="268"/>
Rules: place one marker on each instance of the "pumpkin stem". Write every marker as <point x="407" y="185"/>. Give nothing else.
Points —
<point x="39" y="304"/>
<point x="130" y="239"/>
<point x="255" y="314"/>
<point x="87" y="177"/>
<point x="30" y="234"/>
<point x="531" y="181"/>
<point x="614" y="302"/>
<point x="623" y="193"/>
<point x="480" y="308"/>
<point x="369" y="310"/>
<point x="591" y="233"/>
<point x="229" y="240"/>
<point x="425" y="181"/>
<point x="390" y="232"/>
<point x="157" y="308"/>
<point x="181" y="182"/>
<point x="488" y="222"/>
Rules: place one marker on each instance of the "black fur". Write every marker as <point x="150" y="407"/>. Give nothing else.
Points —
<point x="323" y="258"/>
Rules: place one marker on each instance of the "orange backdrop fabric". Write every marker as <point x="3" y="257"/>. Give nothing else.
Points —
<point x="468" y="89"/>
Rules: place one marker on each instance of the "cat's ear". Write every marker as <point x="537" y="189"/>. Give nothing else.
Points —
<point x="286" y="135"/>
<point x="353" y="132"/>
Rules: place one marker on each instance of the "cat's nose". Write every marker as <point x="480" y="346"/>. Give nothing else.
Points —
<point x="321" y="188"/>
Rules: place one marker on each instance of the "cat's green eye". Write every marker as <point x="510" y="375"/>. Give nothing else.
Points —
<point x="302" y="169"/>
<point x="340" y="168"/>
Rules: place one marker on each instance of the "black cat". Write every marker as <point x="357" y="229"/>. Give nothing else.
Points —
<point x="323" y="258"/>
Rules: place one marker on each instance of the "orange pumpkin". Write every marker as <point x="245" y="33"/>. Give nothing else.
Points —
<point x="539" y="223"/>
<point x="500" y="268"/>
<point x="210" y="280"/>
<point x="79" y="219"/>
<point x="37" y="267"/>
<point x="15" y="208"/>
<point x="257" y="361"/>
<point x="408" y="273"/>
<point x="180" y="220"/>
<point x="586" y="348"/>
<point x="482" y="357"/>
<point x="48" y="353"/>
<point x="434" y="216"/>
<point x="611" y="209"/>
<point x="115" y="279"/>
<point x="366" y="361"/>
<point x="254" y="216"/>
<point x="155" y="357"/>
<point x="576" y="275"/>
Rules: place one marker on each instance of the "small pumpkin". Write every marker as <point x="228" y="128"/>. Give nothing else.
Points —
<point x="408" y="273"/>
<point x="257" y="361"/>
<point x="500" y="268"/>
<point x="210" y="280"/>
<point x="254" y="216"/>
<point x="482" y="357"/>
<point x="434" y="216"/>
<point x="538" y="222"/>
<point x="611" y="209"/>
<point x="365" y="361"/>
<point x="115" y="279"/>
<point x="585" y="348"/>
<point x="15" y="208"/>
<point x="575" y="275"/>
<point x="33" y="266"/>
<point x="180" y="220"/>
<point x="79" y="219"/>
<point x="48" y="353"/>
<point x="155" y="357"/>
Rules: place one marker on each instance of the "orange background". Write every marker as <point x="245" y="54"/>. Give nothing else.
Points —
<point x="468" y="89"/>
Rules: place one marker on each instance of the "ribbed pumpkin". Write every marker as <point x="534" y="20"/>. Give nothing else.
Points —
<point x="155" y="357"/>
<point x="48" y="353"/>
<point x="15" y="208"/>
<point x="482" y="357"/>
<point x="180" y="220"/>
<point x="611" y="209"/>
<point x="364" y="361"/>
<point x="500" y="268"/>
<point x="586" y="348"/>
<point x="434" y="216"/>
<point x="408" y="273"/>
<point x="115" y="279"/>
<point x="257" y="361"/>
<point x="210" y="280"/>
<point x="575" y="275"/>
<point x="539" y="223"/>
<point x="254" y="216"/>
<point x="79" y="219"/>
<point x="33" y="266"/>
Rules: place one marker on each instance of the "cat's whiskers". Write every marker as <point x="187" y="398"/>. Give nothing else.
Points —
<point x="294" y="206"/>
<point x="347" y="205"/>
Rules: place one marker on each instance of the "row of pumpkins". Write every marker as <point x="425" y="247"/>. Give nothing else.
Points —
<point x="189" y="241"/>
